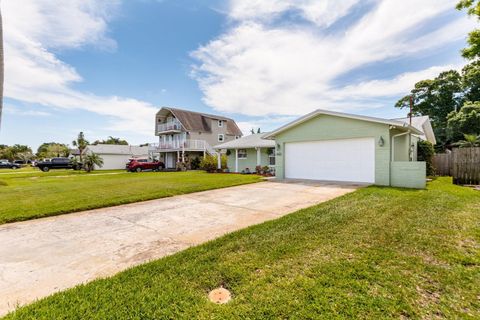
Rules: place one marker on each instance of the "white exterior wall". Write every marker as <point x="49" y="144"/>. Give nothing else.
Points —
<point x="113" y="161"/>
<point x="116" y="156"/>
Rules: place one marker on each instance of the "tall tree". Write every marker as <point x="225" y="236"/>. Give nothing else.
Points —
<point x="81" y="143"/>
<point x="111" y="140"/>
<point x="471" y="81"/>
<point x="15" y="152"/>
<point x="465" y="121"/>
<point x="436" y="98"/>
<point x="57" y="150"/>
<point x="473" y="8"/>
<point x="6" y="152"/>
<point x="52" y="149"/>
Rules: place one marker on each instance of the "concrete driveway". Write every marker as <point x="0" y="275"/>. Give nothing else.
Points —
<point x="40" y="257"/>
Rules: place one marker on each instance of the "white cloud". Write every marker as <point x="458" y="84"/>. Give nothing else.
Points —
<point x="391" y="87"/>
<point x="9" y="109"/>
<point x="259" y="67"/>
<point x="322" y="13"/>
<point x="35" y="29"/>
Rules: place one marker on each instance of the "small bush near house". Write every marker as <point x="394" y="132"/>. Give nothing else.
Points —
<point x="209" y="163"/>
<point x="195" y="163"/>
<point x="181" y="166"/>
<point x="92" y="160"/>
<point x="425" y="153"/>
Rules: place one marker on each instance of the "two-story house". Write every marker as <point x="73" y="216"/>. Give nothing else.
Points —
<point x="184" y="135"/>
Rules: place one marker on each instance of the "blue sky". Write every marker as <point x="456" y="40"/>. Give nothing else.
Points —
<point x="105" y="67"/>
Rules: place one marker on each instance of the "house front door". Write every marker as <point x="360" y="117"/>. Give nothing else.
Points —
<point x="170" y="160"/>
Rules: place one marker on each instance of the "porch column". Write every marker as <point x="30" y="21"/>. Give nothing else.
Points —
<point x="259" y="156"/>
<point x="410" y="149"/>
<point x="219" y="160"/>
<point x="236" y="160"/>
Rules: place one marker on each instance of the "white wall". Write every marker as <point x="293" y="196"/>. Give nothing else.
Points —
<point x="113" y="161"/>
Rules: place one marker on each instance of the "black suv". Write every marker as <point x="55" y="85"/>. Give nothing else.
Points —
<point x="5" y="164"/>
<point x="58" y="163"/>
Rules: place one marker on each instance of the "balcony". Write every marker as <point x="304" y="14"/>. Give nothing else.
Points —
<point x="186" y="145"/>
<point x="171" y="126"/>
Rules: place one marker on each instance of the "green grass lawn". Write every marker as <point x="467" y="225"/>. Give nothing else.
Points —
<point x="376" y="253"/>
<point x="28" y="194"/>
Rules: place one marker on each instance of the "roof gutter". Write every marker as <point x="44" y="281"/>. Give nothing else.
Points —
<point x="317" y="112"/>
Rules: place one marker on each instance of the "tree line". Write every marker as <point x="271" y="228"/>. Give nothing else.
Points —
<point x="452" y="99"/>
<point x="51" y="149"/>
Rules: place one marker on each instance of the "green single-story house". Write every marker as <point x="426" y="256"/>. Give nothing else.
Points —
<point x="246" y="153"/>
<point x="333" y="146"/>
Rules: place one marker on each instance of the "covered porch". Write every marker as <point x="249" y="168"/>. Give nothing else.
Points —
<point x="405" y="169"/>
<point x="248" y="153"/>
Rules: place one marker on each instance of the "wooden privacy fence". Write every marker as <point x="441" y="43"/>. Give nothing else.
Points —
<point x="442" y="163"/>
<point x="463" y="164"/>
<point x="466" y="166"/>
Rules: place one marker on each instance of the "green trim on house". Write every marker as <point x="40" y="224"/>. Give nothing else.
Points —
<point x="409" y="174"/>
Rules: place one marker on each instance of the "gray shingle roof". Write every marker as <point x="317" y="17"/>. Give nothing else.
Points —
<point x="422" y="124"/>
<point x="396" y="123"/>
<point x="197" y="121"/>
<point x="251" y="141"/>
<point x="118" y="149"/>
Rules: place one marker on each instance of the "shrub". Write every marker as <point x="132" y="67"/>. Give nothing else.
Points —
<point x="195" y="163"/>
<point x="181" y="166"/>
<point x="425" y="152"/>
<point x="209" y="163"/>
<point x="91" y="160"/>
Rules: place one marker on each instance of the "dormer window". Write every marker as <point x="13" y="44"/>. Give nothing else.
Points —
<point x="220" y="123"/>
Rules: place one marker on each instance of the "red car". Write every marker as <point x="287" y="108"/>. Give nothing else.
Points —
<point x="139" y="165"/>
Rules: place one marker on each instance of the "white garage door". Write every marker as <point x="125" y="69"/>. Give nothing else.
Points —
<point x="114" y="161"/>
<point x="350" y="160"/>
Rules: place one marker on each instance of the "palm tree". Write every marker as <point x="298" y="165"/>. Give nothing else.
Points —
<point x="113" y="140"/>
<point x="1" y="68"/>
<point x="92" y="160"/>
<point x="81" y="143"/>
<point x="470" y="140"/>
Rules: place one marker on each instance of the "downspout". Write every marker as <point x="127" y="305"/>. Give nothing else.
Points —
<point x="392" y="153"/>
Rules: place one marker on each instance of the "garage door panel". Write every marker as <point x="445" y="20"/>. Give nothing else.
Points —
<point x="335" y="160"/>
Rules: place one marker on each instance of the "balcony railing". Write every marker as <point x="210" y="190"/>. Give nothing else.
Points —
<point x="197" y="145"/>
<point x="169" y="126"/>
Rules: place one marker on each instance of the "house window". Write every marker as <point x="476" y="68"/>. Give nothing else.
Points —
<point x="242" y="153"/>
<point x="221" y="138"/>
<point x="220" y="123"/>
<point x="271" y="156"/>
